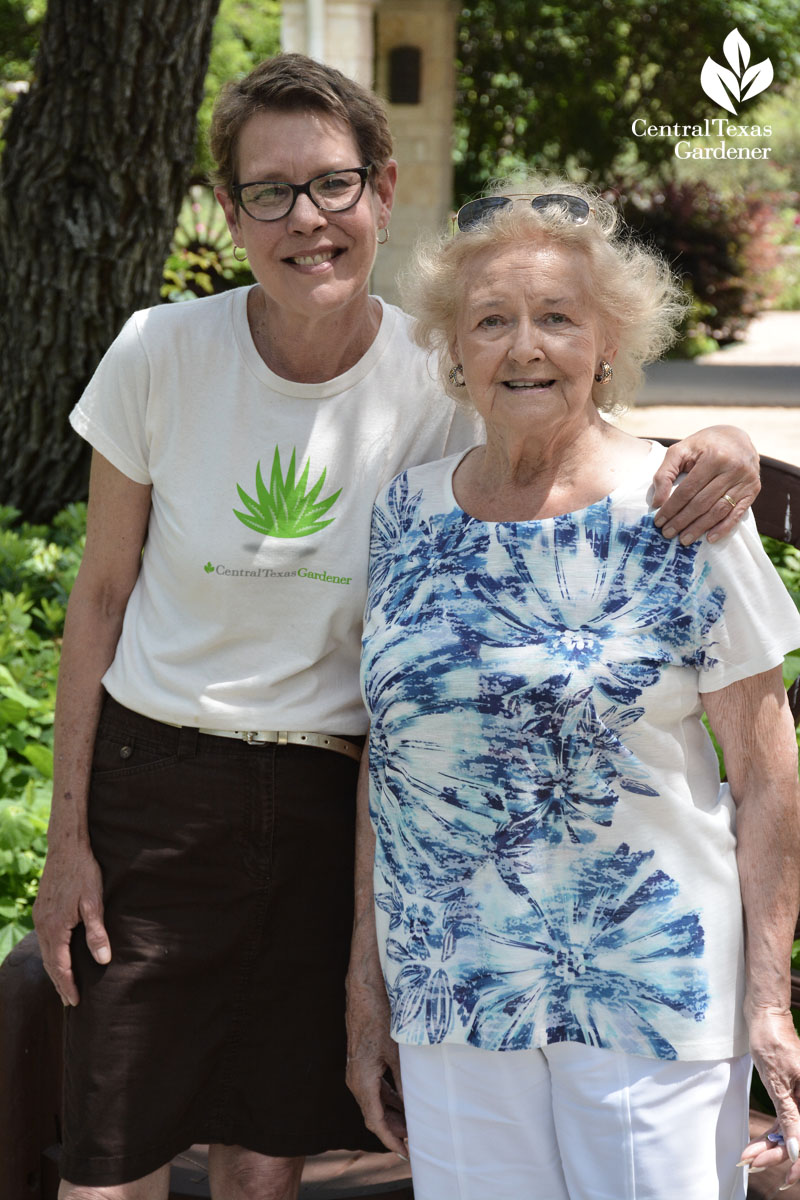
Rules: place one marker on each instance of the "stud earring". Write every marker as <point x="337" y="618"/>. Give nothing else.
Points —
<point x="456" y="375"/>
<point x="606" y="372"/>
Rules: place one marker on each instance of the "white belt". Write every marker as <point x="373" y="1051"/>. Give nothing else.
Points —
<point x="283" y="737"/>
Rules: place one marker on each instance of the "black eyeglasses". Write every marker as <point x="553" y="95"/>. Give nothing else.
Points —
<point x="335" y="191"/>
<point x="476" y="212"/>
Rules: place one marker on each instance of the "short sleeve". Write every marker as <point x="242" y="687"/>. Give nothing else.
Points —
<point x="759" y="623"/>
<point x="112" y="412"/>
<point x="466" y="430"/>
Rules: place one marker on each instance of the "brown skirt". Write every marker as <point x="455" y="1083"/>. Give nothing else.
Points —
<point x="227" y="875"/>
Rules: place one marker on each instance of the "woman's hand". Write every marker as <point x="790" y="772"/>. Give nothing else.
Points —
<point x="718" y="462"/>
<point x="373" y="1063"/>
<point x="775" y="1048"/>
<point x="70" y="892"/>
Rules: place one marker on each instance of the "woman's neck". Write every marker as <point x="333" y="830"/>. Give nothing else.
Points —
<point x="312" y="351"/>
<point x="524" y="479"/>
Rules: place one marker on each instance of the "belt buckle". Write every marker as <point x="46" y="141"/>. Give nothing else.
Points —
<point x="251" y="737"/>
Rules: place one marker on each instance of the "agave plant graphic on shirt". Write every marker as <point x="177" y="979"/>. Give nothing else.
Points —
<point x="289" y="507"/>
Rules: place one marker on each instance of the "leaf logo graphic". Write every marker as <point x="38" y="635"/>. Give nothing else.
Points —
<point x="208" y="568"/>
<point x="741" y="80"/>
<point x="285" y="509"/>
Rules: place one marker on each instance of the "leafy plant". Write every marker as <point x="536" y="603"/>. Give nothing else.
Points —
<point x="201" y="260"/>
<point x="245" y="32"/>
<point x="786" y="561"/>
<point x="560" y="84"/>
<point x="722" y="245"/>
<point x="38" y="565"/>
<point x="23" y="844"/>
<point x="285" y="509"/>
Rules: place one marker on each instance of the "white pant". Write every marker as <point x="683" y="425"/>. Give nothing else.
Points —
<point x="572" y="1122"/>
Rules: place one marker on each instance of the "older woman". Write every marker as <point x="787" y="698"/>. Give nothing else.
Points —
<point x="197" y="898"/>
<point x="557" y="872"/>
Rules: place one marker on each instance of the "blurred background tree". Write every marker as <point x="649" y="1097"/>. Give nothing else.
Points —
<point x="20" y="25"/>
<point x="560" y="84"/>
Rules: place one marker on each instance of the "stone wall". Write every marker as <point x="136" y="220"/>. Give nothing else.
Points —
<point x="358" y="37"/>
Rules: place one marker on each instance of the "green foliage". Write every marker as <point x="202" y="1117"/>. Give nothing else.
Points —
<point x="20" y="21"/>
<point x="786" y="560"/>
<point x="560" y="85"/>
<point x="201" y="260"/>
<point x="245" y="32"/>
<point x="780" y="172"/>
<point x="285" y="509"/>
<point x="784" y="279"/>
<point x="721" y="245"/>
<point x="38" y="565"/>
<point x="23" y="844"/>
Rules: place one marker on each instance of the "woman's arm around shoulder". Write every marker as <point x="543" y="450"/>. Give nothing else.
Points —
<point x="754" y="726"/>
<point x="722" y="481"/>
<point x="71" y="888"/>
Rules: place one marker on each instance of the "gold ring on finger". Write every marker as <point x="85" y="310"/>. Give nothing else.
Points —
<point x="730" y="500"/>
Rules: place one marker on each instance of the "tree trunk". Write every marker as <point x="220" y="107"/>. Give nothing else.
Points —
<point x="95" y="166"/>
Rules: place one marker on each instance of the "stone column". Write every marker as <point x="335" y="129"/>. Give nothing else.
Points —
<point x="339" y="32"/>
<point x="422" y="131"/>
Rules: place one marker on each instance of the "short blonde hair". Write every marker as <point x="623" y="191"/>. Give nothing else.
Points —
<point x="639" y="302"/>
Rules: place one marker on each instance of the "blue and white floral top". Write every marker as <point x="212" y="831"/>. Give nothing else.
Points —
<point x="555" y="856"/>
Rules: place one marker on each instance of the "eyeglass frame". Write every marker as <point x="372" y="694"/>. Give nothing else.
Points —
<point x="511" y="197"/>
<point x="303" y="189"/>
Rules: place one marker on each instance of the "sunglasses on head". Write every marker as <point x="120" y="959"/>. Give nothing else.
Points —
<point x="485" y="208"/>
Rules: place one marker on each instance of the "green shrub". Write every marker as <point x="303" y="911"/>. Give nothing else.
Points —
<point x="201" y="260"/>
<point x="38" y="565"/>
<point x="722" y="245"/>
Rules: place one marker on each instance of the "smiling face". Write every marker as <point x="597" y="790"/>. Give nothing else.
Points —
<point x="308" y="263"/>
<point x="528" y="338"/>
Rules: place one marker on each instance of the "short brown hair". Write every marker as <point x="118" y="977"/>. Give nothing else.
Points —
<point x="291" y="83"/>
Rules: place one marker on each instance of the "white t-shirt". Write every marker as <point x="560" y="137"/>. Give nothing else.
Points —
<point x="247" y="610"/>
<point x="555" y="856"/>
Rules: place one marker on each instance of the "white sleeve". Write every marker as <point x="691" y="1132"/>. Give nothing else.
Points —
<point x="759" y="622"/>
<point x="466" y="430"/>
<point x="112" y="412"/>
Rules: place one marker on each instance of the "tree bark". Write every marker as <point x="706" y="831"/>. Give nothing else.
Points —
<point x="95" y="166"/>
